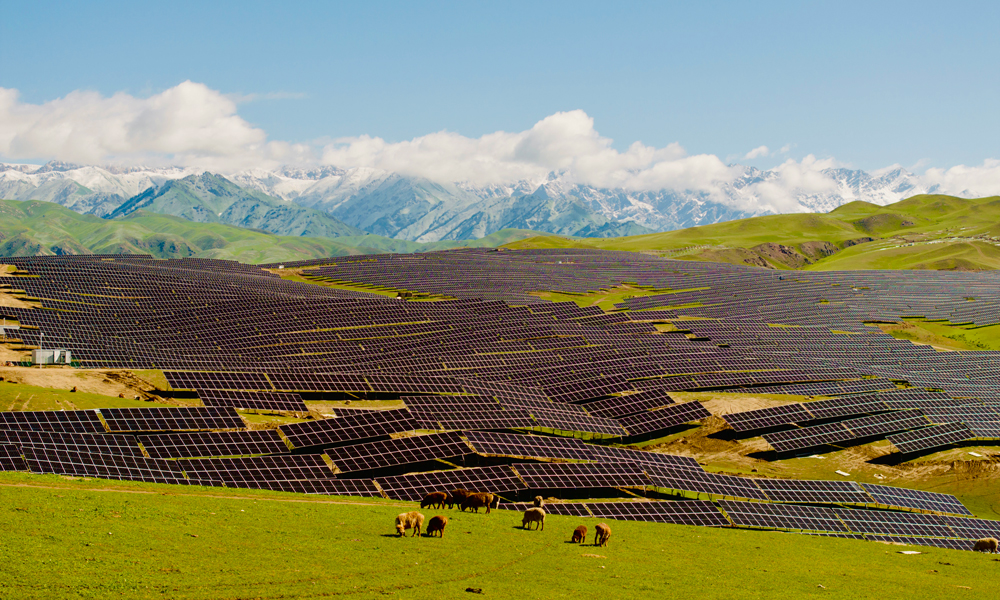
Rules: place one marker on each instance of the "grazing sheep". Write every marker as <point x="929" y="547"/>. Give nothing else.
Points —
<point x="456" y="496"/>
<point x="538" y="501"/>
<point x="74" y="389"/>
<point x="533" y="515"/>
<point x="434" y="500"/>
<point x="437" y="524"/>
<point x="580" y="534"/>
<point x="986" y="545"/>
<point x="120" y="395"/>
<point x="601" y="535"/>
<point x="477" y="500"/>
<point x="411" y="520"/>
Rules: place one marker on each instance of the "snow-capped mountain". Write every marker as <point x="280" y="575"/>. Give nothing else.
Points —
<point x="414" y="208"/>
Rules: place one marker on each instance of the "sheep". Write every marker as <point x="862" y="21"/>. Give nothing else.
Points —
<point x="437" y="524"/>
<point x="411" y="520"/>
<point x="73" y="390"/>
<point x="477" y="500"/>
<point x="434" y="500"/>
<point x="538" y="502"/>
<point x="533" y="515"/>
<point x="986" y="545"/>
<point x="456" y="496"/>
<point x="601" y="535"/>
<point x="580" y="534"/>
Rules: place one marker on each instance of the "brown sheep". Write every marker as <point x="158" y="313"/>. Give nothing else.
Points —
<point x="434" y="500"/>
<point x="580" y="534"/>
<point x="411" y="520"/>
<point x="533" y="515"/>
<point x="538" y="501"/>
<point x="74" y="389"/>
<point x="437" y="524"/>
<point x="601" y="535"/>
<point x="456" y="496"/>
<point x="477" y="500"/>
<point x="986" y="545"/>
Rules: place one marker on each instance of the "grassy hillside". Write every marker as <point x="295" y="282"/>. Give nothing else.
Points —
<point x="922" y="232"/>
<point x="44" y="228"/>
<point x="97" y="539"/>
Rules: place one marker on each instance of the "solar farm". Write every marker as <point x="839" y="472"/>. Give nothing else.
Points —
<point x="476" y="382"/>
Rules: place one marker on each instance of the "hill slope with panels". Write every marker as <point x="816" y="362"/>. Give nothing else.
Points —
<point x="502" y="391"/>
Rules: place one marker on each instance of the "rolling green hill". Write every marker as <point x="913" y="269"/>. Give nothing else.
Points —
<point x="44" y="228"/>
<point x="922" y="232"/>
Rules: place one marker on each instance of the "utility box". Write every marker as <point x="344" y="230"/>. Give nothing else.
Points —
<point x="51" y="357"/>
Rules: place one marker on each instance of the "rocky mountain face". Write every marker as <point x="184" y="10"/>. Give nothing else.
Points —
<point x="325" y="201"/>
<point x="210" y="198"/>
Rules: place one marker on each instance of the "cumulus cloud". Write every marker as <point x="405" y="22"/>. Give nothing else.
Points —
<point x="566" y="143"/>
<point x="758" y="152"/>
<point x="189" y="124"/>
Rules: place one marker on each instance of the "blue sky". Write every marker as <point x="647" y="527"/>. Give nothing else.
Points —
<point x="870" y="84"/>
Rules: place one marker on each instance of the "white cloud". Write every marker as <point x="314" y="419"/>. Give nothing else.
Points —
<point x="188" y="124"/>
<point x="758" y="152"/>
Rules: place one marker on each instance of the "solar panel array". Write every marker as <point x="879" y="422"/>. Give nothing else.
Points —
<point x="496" y="362"/>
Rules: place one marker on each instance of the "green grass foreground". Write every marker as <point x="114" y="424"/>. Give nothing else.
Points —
<point x="104" y="539"/>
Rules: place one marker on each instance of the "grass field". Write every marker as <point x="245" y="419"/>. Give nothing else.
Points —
<point x="100" y="539"/>
<point x="922" y="232"/>
<point x="15" y="396"/>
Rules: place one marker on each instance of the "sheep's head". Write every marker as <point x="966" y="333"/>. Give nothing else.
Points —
<point x="400" y="529"/>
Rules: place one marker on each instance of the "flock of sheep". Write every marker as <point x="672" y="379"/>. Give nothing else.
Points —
<point x="475" y="500"/>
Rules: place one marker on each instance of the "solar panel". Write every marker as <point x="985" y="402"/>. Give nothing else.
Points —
<point x="930" y="437"/>
<point x="326" y="487"/>
<point x="620" y="406"/>
<point x="528" y="446"/>
<point x="69" y="421"/>
<point x="261" y="468"/>
<point x="11" y="459"/>
<point x="199" y="418"/>
<point x="104" y="466"/>
<point x="563" y="476"/>
<point x="972" y="529"/>
<point x="687" y="512"/>
<point x="213" y="443"/>
<point x="808" y="437"/>
<point x="893" y="523"/>
<point x="376" y="455"/>
<point x="915" y="499"/>
<point x="809" y="491"/>
<point x="665" y="418"/>
<point x="767" y="417"/>
<point x="885" y="423"/>
<point x="699" y="482"/>
<point x="569" y="509"/>
<point x="415" y="486"/>
<point x="354" y="427"/>
<point x="566" y="421"/>
<point x="272" y="401"/>
<point x="782" y="516"/>
<point x="615" y="455"/>
<point x="97" y="443"/>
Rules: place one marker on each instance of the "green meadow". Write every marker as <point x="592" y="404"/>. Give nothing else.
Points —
<point x="69" y="538"/>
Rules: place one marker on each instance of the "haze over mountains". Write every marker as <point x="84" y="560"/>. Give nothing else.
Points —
<point x="333" y="202"/>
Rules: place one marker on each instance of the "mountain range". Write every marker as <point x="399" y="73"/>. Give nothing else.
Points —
<point x="331" y="202"/>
